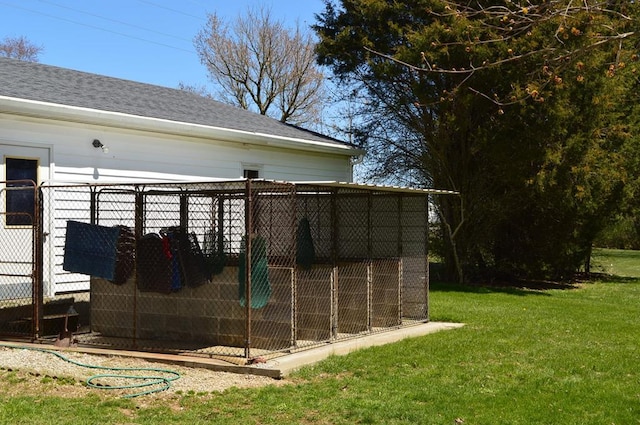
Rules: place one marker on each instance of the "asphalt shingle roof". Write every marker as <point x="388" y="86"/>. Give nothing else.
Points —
<point x="45" y="83"/>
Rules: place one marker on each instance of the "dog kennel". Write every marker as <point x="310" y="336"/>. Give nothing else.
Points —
<point x="238" y="268"/>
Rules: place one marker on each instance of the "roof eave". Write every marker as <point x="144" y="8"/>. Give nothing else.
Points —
<point x="46" y="110"/>
<point x="376" y="187"/>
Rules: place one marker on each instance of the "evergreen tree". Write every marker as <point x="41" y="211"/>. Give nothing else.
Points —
<point x="517" y="107"/>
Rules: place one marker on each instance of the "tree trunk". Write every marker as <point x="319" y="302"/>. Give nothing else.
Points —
<point x="452" y="263"/>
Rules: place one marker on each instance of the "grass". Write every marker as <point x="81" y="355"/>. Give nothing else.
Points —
<point x="565" y="356"/>
<point x="617" y="262"/>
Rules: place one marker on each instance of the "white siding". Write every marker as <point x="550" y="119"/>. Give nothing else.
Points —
<point x="135" y="156"/>
<point x="143" y="156"/>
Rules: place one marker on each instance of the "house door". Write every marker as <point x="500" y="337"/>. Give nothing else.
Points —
<point x="22" y="168"/>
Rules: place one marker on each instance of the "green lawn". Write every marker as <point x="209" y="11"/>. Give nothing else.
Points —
<point x="524" y="357"/>
<point x="617" y="262"/>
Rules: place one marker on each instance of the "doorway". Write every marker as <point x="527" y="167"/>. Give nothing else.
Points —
<point x="22" y="169"/>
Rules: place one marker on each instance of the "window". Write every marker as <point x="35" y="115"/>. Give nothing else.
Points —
<point x="251" y="174"/>
<point x="21" y="176"/>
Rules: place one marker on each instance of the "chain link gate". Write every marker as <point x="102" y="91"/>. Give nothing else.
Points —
<point x="234" y="269"/>
<point x="20" y="259"/>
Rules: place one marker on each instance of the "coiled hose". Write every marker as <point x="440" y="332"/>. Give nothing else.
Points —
<point x="161" y="383"/>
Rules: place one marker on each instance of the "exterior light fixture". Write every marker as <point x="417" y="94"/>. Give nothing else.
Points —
<point x="98" y="144"/>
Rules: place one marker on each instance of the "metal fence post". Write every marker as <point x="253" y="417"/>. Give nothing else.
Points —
<point x="38" y="254"/>
<point x="247" y="264"/>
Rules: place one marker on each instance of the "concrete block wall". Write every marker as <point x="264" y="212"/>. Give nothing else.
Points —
<point x="314" y="304"/>
<point x="386" y="280"/>
<point x="415" y="290"/>
<point x="353" y="293"/>
<point x="211" y="315"/>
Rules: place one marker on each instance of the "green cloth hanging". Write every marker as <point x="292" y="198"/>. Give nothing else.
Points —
<point x="260" y="286"/>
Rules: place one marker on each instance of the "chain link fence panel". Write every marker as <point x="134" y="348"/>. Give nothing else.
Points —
<point x="235" y="269"/>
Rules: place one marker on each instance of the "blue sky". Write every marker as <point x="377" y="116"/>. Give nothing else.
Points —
<point x="148" y="41"/>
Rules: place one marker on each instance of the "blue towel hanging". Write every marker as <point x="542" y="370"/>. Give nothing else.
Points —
<point x="90" y="249"/>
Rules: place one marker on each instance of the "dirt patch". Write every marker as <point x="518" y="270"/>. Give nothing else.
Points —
<point x="32" y="372"/>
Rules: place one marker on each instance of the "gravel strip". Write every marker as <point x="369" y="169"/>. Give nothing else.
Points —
<point x="38" y="364"/>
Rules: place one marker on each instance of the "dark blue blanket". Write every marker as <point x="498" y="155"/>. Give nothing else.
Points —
<point x="90" y="249"/>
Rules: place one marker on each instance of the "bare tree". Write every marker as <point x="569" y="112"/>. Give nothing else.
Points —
<point x="200" y="90"/>
<point x="20" y="48"/>
<point x="261" y="65"/>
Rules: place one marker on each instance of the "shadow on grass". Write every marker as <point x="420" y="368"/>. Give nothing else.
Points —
<point x="625" y="262"/>
<point x="621" y="254"/>
<point x="606" y="278"/>
<point x="480" y="288"/>
<point x="529" y="287"/>
<point x="509" y="286"/>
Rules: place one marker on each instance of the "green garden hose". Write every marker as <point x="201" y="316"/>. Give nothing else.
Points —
<point x="161" y="383"/>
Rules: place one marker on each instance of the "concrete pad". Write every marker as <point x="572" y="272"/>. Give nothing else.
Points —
<point x="277" y="367"/>
<point x="291" y="362"/>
